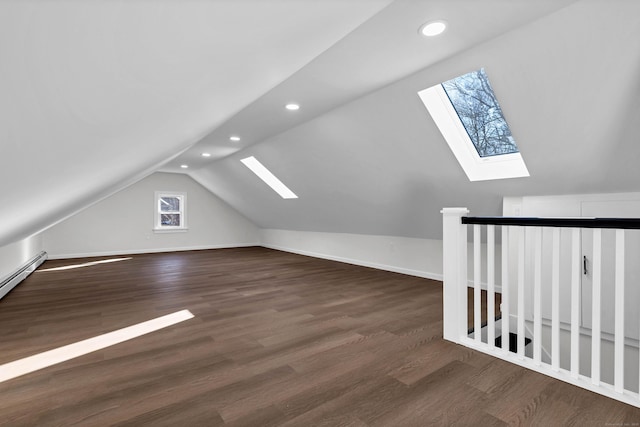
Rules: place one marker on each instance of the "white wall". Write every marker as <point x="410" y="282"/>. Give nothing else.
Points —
<point x="572" y="206"/>
<point x="123" y="223"/>
<point x="15" y="255"/>
<point x="560" y="206"/>
<point x="417" y="257"/>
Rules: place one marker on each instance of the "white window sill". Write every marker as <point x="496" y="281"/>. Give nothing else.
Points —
<point x="170" y="230"/>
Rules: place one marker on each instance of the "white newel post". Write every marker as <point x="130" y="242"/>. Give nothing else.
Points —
<point x="454" y="288"/>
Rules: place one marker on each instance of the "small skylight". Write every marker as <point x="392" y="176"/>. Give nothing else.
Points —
<point x="466" y="111"/>
<point x="270" y="179"/>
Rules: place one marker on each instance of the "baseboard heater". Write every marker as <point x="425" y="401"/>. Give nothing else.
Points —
<point x="14" y="279"/>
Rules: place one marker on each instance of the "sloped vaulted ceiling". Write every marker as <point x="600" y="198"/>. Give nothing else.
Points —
<point x="568" y="83"/>
<point x="97" y="94"/>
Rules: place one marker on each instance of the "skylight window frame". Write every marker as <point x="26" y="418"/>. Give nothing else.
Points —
<point x="268" y="177"/>
<point x="500" y="166"/>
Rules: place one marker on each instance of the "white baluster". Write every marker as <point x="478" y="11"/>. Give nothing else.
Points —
<point x="575" y="302"/>
<point x="555" y="301"/>
<point x="537" y="292"/>
<point x="521" y="292"/>
<point x="491" y="309"/>
<point x="477" y="305"/>
<point x="619" y="314"/>
<point x="505" y="289"/>
<point x="595" y="306"/>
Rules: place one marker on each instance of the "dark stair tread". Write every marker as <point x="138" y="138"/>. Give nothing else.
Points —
<point x="513" y="342"/>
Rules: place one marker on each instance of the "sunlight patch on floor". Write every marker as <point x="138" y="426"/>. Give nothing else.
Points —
<point x="61" y="354"/>
<point x="85" y="264"/>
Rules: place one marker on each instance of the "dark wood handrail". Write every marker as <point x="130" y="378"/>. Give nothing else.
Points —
<point x="622" y="223"/>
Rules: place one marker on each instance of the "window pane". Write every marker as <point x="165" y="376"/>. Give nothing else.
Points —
<point x="170" y="204"/>
<point x="476" y="104"/>
<point x="170" y="220"/>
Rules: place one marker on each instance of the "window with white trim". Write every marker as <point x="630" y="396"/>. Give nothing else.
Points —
<point x="170" y="211"/>
<point x="467" y="113"/>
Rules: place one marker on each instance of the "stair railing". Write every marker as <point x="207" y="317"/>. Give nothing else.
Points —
<point x="462" y="252"/>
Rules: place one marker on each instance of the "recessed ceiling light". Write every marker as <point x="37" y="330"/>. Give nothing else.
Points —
<point x="433" y="28"/>
<point x="234" y="138"/>
<point x="206" y="154"/>
<point x="184" y="166"/>
<point x="292" y="107"/>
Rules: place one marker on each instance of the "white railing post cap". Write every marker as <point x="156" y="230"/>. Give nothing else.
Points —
<point x="454" y="211"/>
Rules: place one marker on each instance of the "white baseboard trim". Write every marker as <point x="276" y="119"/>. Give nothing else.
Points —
<point x="484" y="287"/>
<point x="392" y="268"/>
<point x="385" y="267"/>
<point x="150" y="251"/>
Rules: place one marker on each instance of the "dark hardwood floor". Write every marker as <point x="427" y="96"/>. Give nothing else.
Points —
<point x="277" y="339"/>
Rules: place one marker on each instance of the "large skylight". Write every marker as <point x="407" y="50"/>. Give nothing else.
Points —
<point x="466" y="111"/>
<point x="270" y="179"/>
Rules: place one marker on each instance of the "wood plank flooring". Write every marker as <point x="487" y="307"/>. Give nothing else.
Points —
<point x="277" y="340"/>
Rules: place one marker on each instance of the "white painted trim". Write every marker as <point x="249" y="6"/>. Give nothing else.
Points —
<point x="583" y="331"/>
<point x="151" y="250"/>
<point x="591" y="197"/>
<point x="477" y="168"/>
<point x="182" y="195"/>
<point x="483" y="285"/>
<point x="385" y="267"/>
<point x="379" y="266"/>
<point x="170" y="230"/>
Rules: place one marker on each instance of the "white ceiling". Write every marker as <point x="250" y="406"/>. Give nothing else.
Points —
<point x="97" y="95"/>
<point x="381" y="51"/>
<point x="378" y="165"/>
